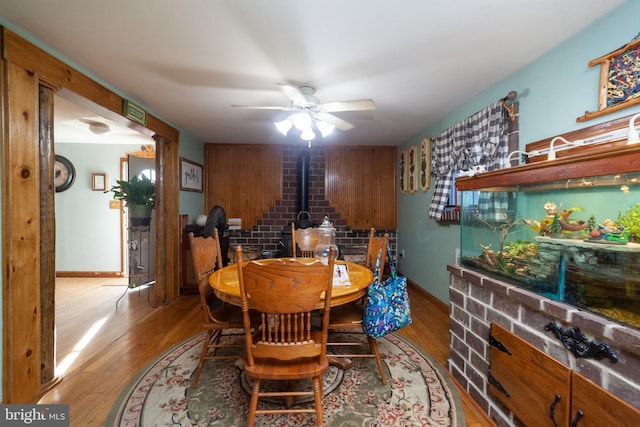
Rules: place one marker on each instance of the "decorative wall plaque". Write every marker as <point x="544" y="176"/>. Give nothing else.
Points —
<point x="413" y="169"/>
<point x="619" y="80"/>
<point x="404" y="155"/>
<point x="425" y="163"/>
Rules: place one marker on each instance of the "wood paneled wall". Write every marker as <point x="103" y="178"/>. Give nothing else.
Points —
<point x="360" y="182"/>
<point x="247" y="180"/>
<point x="244" y="179"/>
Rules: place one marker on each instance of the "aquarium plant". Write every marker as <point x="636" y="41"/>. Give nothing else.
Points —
<point x="631" y="221"/>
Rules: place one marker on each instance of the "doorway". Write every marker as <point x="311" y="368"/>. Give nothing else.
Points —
<point x="31" y="76"/>
<point x="141" y="242"/>
<point x="90" y="237"/>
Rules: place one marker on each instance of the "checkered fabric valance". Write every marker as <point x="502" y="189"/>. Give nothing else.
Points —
<point x="478" y="140"/>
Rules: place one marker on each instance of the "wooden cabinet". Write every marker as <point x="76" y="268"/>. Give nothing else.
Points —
<point x="527" y="381"/>
<point x="541" y="391"/>
<point x="593" y="406"/>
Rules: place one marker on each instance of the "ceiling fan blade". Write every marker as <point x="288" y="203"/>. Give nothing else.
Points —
<point x="360" y="105"/>
<point x="333" y="120"/>
<point x="261" y="107"/>
<point x="294" y="94"/>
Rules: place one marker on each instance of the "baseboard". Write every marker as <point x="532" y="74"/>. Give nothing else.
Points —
<point x="442" y="307"/>
<point x="105" y="274"/>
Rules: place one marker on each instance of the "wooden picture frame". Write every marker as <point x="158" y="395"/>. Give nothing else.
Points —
<point x="190" y="176"/>
<point x="425" y="163"/>
<point x="404" y="155"/>
<point x="412" y="173"/>
<point x="99" y="182"/>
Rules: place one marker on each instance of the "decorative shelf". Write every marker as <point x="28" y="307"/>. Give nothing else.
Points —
<point x="625" y="159"/>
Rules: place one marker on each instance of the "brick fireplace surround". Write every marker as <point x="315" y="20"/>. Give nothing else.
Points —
<point x="477" y="300"/>
<point x="267" y="234"/>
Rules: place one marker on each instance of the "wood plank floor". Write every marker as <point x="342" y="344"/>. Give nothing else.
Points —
<point x="110" y="346"/>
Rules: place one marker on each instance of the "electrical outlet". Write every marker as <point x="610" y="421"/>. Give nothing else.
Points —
<point x="401" y="253"/>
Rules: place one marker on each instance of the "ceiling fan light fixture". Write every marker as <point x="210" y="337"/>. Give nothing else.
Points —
<point x="99" y="128"/>
<point x="308" y="134"/>
<point x="302" y="121"/>
<point x="284" y="126"/>
<point x="324" y="128"/>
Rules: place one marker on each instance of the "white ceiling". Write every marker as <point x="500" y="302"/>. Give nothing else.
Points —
<point x="187" y="61"/>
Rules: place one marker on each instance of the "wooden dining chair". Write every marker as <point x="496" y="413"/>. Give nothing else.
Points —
<point x="303" y="241"/>
<point x="286" y="292"/>
<point x="348" y="318"/>
<point x="218" y="316"/>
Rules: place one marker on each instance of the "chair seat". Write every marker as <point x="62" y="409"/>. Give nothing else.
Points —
<point x="227" y="314"/>
<point x="346" y="316"/>
<point x="273" y="369"/>
<point x="230" y="316"/>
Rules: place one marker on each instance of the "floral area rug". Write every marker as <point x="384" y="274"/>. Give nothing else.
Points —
<point x="418" y="392"/>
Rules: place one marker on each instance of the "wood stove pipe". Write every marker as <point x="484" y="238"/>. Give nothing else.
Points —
<point x="304" y="219"/>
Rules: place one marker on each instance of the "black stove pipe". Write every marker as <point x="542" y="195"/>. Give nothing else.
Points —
<point x="304" y="161"/>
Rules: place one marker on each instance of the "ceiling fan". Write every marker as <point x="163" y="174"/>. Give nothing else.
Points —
<point x="302" y="99"/>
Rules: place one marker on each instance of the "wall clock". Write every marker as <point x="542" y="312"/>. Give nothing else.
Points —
<point x="64" y="173"/>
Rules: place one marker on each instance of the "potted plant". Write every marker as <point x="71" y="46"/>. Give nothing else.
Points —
<point x="139" y="196"/>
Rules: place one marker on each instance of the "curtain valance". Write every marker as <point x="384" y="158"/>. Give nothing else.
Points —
<point x="478" y="140"/>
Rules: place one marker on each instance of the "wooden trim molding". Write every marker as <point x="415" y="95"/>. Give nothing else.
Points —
<point x="623" y="160"/>
<point x="55" y="73"/>
<point x="24" y="69"/>
<point x="99" y="274"/>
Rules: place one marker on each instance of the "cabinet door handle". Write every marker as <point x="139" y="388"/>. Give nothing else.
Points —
<point x="579" y="415"/>
<point x="552" y="410"/>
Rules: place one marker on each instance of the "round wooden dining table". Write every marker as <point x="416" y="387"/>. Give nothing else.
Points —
<point x="226" y="286"/>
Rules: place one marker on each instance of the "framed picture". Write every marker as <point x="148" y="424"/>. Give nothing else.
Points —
<point x="425" y="163"/>
<point x="403" y="171"/>
<point x="190" y="175"/>
<point x="413" y="169"/>
<point x="99" y="181"/>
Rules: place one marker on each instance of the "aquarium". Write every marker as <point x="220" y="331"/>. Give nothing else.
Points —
<point x="575" y="240"/>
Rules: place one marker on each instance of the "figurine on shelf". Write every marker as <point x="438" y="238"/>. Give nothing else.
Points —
<point x="551" y="208"/>
<point x="557" y="222"/>
<point x="608" y="232"/>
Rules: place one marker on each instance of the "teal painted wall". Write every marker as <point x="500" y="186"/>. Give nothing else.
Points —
<point x="553" y="90"/>
<point x="191" y="203"/>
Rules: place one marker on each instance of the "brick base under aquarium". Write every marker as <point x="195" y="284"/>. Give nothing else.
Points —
<point x="477" y="300"/>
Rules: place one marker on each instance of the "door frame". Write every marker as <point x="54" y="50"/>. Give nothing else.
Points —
<point x="24" y="68"/>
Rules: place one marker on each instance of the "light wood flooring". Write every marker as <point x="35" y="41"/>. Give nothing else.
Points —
<point x="110" y="346"/>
